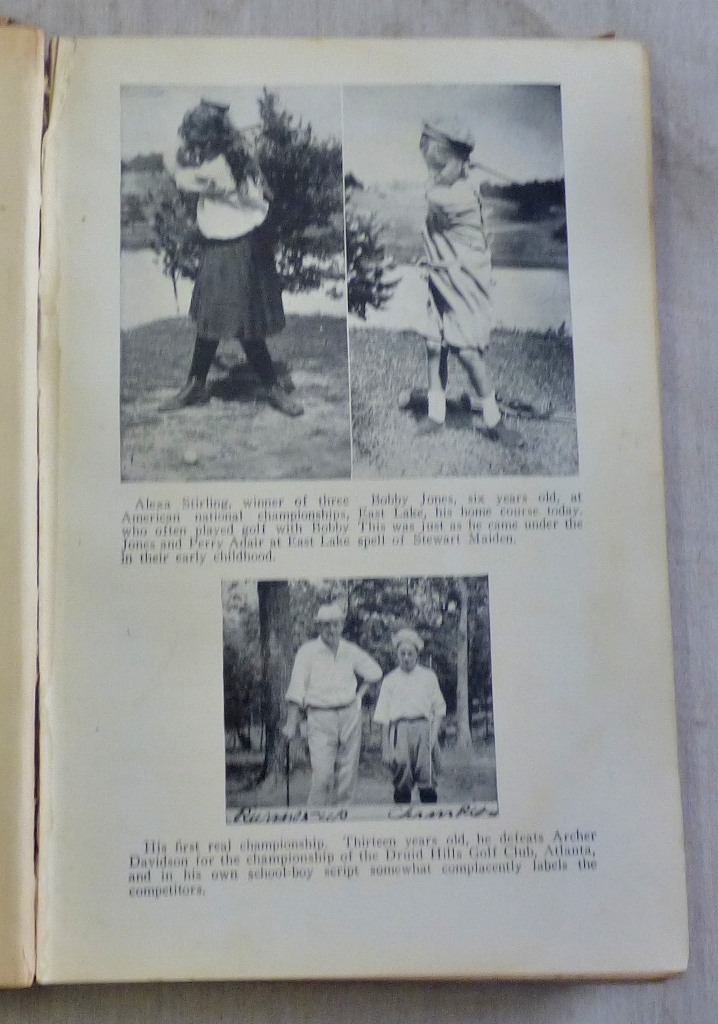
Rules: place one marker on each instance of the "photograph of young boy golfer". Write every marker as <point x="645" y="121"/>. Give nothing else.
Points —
<point x="461" y="349"/>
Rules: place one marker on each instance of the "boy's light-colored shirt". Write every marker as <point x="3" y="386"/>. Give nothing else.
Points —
<point x="461" y="204"/>
<point x="322" y="679"/>
<point x="223" y="210"/>
<point x="414" y="694"/>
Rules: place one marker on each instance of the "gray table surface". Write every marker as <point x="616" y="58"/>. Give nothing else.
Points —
<point x="682" y="37"/>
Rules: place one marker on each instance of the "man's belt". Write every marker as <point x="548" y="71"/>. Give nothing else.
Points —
<point x="330" y="707"/>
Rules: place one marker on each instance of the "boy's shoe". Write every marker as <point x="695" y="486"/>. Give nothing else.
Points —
<point x="194" y="392"/>
<point x="416" y="400"/>
<point x="280" y="400"/>
<point x="428" y="427"/>
<point x="503" y="434"/>
<point x="428" y="795"/>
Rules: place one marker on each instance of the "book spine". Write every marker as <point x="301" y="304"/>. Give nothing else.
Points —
<point x="21" y="103"/>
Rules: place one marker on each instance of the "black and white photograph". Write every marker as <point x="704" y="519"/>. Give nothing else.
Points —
<point x="233" y="309"/>
<point x="365" y="698"/>
<point x="460" y="328"/>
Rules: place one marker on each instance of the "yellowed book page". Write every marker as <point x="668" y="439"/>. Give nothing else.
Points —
<point x="282" y="577"/>
<point x="21" y="97"/>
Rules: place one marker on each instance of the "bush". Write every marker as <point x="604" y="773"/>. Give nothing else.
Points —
<point x="305" y="176"/>
<point x="368" y="265"/>
<point x="177" y="237"/>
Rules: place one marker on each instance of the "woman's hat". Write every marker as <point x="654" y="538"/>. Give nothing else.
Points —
<point x="408" y="636"/>
<point x="448" y="128"/>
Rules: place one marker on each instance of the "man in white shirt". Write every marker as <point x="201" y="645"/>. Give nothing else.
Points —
<point x="324" y="684"/>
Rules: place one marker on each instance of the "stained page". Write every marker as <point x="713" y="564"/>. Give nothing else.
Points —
<point x="355" y="645"/>
<point x="21" y="91"/>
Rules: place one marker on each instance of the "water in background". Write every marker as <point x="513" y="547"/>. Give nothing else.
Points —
<point x="533" y="299"/>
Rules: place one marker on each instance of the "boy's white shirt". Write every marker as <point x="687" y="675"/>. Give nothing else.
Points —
<point x="414" y="694"/>
<point x="419" y="313"/>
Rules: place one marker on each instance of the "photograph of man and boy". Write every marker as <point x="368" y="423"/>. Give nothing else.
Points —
<point x="364" y="693"/>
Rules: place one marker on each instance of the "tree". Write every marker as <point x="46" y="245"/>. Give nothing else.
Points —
<point x="242" y="660"/>
<point x="275" y="637"/>
<point x="131" y="210"/>
<point x="152" y="162"/>
<point x="304" y="174"/>
<point x="177" y="237"/>
<point x="463" y="721"/>
<point x="369" y="267"/>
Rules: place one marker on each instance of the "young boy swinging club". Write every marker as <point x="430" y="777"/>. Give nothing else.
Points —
<point x="458" y="267"/>
<point x="237" y="292"/>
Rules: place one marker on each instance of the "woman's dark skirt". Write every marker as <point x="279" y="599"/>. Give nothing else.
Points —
<point x="237" y="293"/>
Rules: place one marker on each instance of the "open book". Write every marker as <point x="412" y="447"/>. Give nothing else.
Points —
<point x="353" y="634"/>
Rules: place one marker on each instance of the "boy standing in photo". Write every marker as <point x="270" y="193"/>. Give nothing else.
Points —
<point x="458" y="266"/>
<point x="410" y="709"/>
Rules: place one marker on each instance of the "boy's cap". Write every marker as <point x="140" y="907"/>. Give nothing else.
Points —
<point x="408" y="636"/>
<point x="329" y="613"/>
<point x="447" y="128"/>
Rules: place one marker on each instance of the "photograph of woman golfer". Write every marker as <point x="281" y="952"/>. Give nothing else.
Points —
<point x="237" y="292"/>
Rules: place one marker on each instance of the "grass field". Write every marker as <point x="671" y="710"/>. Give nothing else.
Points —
<point x="237" y="436"/>
<point x="528" y="367"/>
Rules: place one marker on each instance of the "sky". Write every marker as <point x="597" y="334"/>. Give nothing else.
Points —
<point x="517" y="129"/>
<point x="151" y="115"/>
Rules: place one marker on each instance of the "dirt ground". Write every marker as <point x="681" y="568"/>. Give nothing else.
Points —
<point x="531" y="368"/>
<point x="464" y="777"/>
<point x="237" y="436"/>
